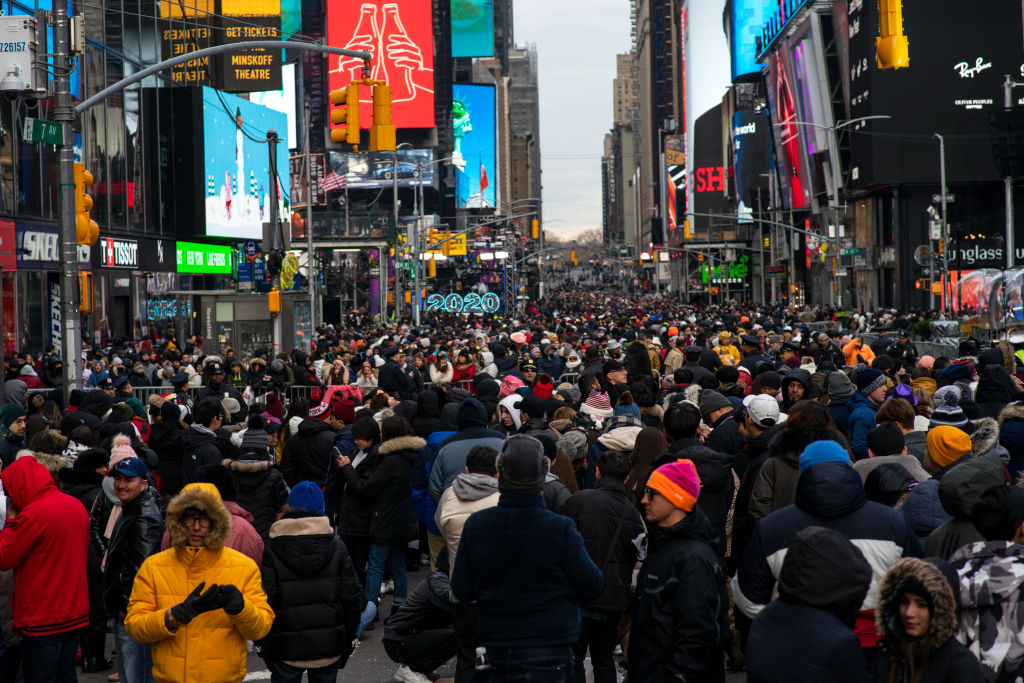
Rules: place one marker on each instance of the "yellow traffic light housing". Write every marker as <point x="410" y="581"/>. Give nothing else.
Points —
<point x="572" y="257"/>
<point x="892" y="49"/>
<point x="535" y="228"/>
<point x="87" y="231"/>
<point x="382" y="132"/>
<point x="346" y="115"/>
<point x="85" y="292"/>
<point x="274" y="302"/>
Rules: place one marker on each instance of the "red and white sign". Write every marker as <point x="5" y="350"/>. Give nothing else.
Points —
<point x="399" y="35"/>
<point x="120" y="253"/>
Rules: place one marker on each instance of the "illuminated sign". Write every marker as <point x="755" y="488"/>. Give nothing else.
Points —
<point x="472" y="28"/>
<point x="188" y="28"/>
<point x="236" y="169"/>
<point x="203" y="258"/>
<point x="457" y="303"/>
<point x="473" y="115"/>
<point x="748" y="17"/>
<point x="400" y="34"/>
<point x="119" y="253"/>
<point x="709" y="179"/>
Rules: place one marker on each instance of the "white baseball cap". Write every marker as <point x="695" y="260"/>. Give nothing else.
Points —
<point x="763" y="410"/>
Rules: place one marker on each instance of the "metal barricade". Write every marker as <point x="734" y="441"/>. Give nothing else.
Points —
<point x="47" y="393"/>
<point x="569" y="377"/>
<point x="467" y="385"/>
<point x="143" y="393"/>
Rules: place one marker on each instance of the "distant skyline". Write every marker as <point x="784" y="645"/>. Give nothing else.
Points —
<point x="575" y="100"/>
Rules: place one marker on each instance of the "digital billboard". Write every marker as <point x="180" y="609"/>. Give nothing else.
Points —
<point x="792" y="173"/>
<point x="472" y="28"/>
<point x="399" y="35"/>
<point x="752" y="154"/>
<point x="954" y="80"/>
<point x="191" y="257"/>
<point x="250" y="69"/>
<point x="377" y="169"/>
<point x="473" y="113"/>
<point x="746" y="21"/>
<point x="236" y="164"/>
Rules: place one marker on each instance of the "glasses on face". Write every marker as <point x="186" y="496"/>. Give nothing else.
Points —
<point x="191" y="520"/>
<point x="650" y="493"/>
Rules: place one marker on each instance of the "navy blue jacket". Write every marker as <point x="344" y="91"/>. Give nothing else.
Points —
<point x="528" y="572"/>
<point x="862" y="420"/>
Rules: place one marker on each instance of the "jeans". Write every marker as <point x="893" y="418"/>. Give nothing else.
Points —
<point x="49" y="659"/>
<point x="134" y="660"/>
<point x="599" y="636"/>
<point x="286" y="673"/>
<point x="369" y="612"/>
<point x="527" y="665"/>
<point x="381" y="554"/>
<point x="424" y="651"/>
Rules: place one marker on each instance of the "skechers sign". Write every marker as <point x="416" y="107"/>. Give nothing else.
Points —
<point x="203" y="258"/>
<point x="39" y="247"/>
<point x="119" y="253"/>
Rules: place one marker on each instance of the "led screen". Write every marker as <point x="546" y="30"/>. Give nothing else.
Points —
<point x="236" y="161"/>
<point x="473" y="120"/>
<point x="748" y="17"/>
<point x="472" y="28"/>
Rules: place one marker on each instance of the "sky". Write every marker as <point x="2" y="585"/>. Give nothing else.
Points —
<point x="576" y="48"/>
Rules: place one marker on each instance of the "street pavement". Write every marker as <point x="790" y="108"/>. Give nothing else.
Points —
<point x="368" y="664"/>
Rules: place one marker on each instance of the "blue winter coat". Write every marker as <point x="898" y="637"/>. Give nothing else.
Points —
<point x="862" y="421"/>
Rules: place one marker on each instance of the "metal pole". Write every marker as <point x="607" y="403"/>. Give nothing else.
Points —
<point x="540" y="262"/>
<point x="310" y="256"/>
<point x="275" y="226"/>
<point x="1008" y="181"/>
<point x="394" y="189"/>
<point x="945" y="222"/>
<point x="64" y="113"/>
<point x="835" y="209"/>
<point x="931" y="271"/>
<point x="417" y="299"/>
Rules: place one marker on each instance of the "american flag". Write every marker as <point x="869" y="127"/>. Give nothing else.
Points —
<point x="332" y="181"/>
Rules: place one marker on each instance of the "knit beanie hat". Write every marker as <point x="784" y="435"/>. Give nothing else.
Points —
<point x="345" y="410"/>
<point x="869" y="379"/>
<point x="543" y="388"/>
<point x="946" y="445"/>
<point x="170" y="412"/>
<point x="626" y="406"/>
<point x="121" y="412"/>
<point x="840" y="388"/>
<point x="275" y="407"/>
<point x="947" y="408"/>
<point x="9" y="413"/>
<point x="120" y="449"/>
<point x="574" y="444"/>
<point x="959" y="371"/>
<point x="678" y="482"/>
<point x="521" y="464"/>
<point x="926" y="362"/>
<point x="307" y="496"/>
<point x="823" y="451"/>
<point x="710" y="401"/>
<point x="138" y="410"/>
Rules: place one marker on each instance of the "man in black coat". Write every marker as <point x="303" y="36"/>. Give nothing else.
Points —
<point x="200" y="444"/>
<point x="307" y="455"/>
<point x="680" y="619"/>
<point x="725" y="435"/>
<point x="218" y="389"/>
<point x="391" y="377"/>
<point x="609" y="523"/>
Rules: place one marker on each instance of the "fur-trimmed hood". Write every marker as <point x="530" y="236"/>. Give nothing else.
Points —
<point x="402" y="443"/>
<point x="1013" y="411"/>
<point x="249" y="466"/>
<point x="914" y="575"/>
<point x="655" y="411"/>
<point x="985" y="437"/>
<point x="206" y="498"/>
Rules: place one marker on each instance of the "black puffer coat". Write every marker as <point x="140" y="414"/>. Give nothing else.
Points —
<point x="356" y="507"/>
<point x="136" y="535"/>
<point x="199" y="448"/>
<point x="165" y="439"/>
<point x="313" y="589"/>
<point x="608" y="522"/>
<point x="261" y="491"/>
<point x="394" y="519"/>
<point x="307" y="455"/>
<point x="428" y="414"/>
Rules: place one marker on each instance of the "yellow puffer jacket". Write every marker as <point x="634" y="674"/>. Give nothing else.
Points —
<point x="212" y="647"/>
<point x="728" y="354"/>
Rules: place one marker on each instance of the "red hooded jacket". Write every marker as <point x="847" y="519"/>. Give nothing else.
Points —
<point x="46" y="545"/>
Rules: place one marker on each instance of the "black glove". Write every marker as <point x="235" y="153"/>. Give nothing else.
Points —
<point x="230" y="598"/>
<point x="196" y="603"/>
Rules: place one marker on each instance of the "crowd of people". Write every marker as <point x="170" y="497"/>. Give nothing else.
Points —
<point x="669" y="490"/>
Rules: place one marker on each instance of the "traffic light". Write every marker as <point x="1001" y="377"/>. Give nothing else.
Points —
<point x="382" y="133"/>
<point x="274" y="301"/>
<point x="85" y="291"/>
<point x="892" y="49"/>
<point x="535" y="229"/>
<point x="87" y="231"/>
<point x="572" y="256"/>
<point x="346" y="115"/>
<point x="431" y="268"/>
<point x="700" y="257"/>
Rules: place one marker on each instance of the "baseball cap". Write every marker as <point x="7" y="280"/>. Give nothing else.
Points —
<point x="132" y="466"/>
<point x="763" y="410"/>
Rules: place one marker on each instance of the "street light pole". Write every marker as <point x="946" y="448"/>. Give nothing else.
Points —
<point x="945" y="223"/>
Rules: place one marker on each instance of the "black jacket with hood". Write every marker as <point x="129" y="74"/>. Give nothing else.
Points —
<point x="680" y="619"/>
<point x="428" y="414"/>
<point x="199" y="446"/>
<point x="262" y="490"/>
<point x="313" y="589"/>
<point x="394" y="519"/>
<point x="959" y="491"/>
<point x="307" y="455"/>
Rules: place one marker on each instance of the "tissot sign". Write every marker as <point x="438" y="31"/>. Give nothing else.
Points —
<point x="119" y="253"/>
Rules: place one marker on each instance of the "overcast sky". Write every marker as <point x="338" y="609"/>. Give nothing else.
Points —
<point x="577" y="41"/>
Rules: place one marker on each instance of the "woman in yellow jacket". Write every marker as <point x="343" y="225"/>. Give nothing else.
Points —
<point x="726" y="350"/>
<point x="198" y="602"/>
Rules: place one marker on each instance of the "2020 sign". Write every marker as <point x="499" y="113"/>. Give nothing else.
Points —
<point x="471" y="303"/>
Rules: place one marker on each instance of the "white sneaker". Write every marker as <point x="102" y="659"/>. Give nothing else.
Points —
<point x="407" y="675"/>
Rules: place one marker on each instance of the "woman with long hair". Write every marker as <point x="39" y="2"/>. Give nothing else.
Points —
<point x="917" y="621"/>
<point x="650" y="445"/>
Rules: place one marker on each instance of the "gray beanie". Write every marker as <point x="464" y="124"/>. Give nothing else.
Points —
<point x="711" y="400"/>
<point x="521" y="464"/>
<point x="574" y="444"/>
<point x="840" y="388"/>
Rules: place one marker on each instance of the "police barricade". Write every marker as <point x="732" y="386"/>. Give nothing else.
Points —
<point x="47" y="393"/>
<point x="143" y="393"/>
<point x="569" y="377"/>
<point x="467" y="385"/>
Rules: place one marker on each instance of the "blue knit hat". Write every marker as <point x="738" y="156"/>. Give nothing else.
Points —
<point x="307" y="496"/>
<point x="823" y="451"/>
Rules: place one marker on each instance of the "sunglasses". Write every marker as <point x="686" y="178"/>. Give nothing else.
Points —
<point x="650" y="493"/>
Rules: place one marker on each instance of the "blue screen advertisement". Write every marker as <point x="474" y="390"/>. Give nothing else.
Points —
<point x="473" y="122"/>
<point x="472" y="28"/>
<point x="748" y="17"/>
<point x="238" y="192"/>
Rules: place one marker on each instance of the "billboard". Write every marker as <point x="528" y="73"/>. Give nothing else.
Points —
<point x="955" y="79"/>
<point x="473" y="115"/>
<point x="782" y="102"/>
<point x="746" y="21"/>
<point x="752" y="155"/>
<point x="472" y="28"/>
<point x="191" y="257"/>
<point x="399" y="34"/>
<point x="377" y="169"/>
<point x="236" y="165"/>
